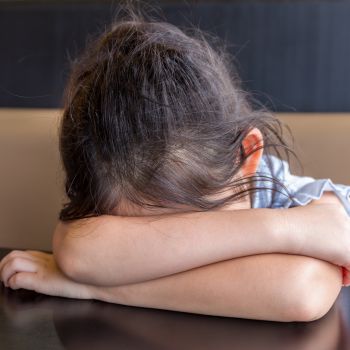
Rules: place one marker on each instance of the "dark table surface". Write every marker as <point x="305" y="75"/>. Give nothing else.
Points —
<point x="29" y="320"/>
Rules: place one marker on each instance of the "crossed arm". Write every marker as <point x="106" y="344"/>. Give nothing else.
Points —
<point x="276" y="287"/>
<point x="202" y="263"/>
<point x="217" y="263"/>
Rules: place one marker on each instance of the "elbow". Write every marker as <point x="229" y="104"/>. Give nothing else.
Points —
<point x="314" y="293"/>
<point x="68" y="264"/>
<point x="66" y="252"/>
<point x="310" y="310"/>
<point x="79" y="248"/>
<point x="64" y="257"/>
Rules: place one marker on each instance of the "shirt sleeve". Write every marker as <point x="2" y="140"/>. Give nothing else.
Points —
<point x="314" y="190"/>
<point x="303" y="189"/>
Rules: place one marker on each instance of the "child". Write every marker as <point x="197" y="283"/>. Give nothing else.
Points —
<point x="172" y="176"/>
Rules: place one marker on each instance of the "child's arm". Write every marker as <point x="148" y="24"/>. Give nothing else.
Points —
<point x="111" y="250"/>
<point x="114" y="250"/>
<point x="274" y="287"/>
<point x="277" y="287"/>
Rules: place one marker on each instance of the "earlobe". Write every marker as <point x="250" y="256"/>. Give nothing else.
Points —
<point x="253" y="145"/>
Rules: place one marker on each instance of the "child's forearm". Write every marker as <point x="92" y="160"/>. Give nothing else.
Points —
<point x="112" y="250"/>
<point x="272" y="287"/>
<point x="277" y="287"/>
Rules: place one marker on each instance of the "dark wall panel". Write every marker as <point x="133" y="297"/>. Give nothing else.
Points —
<point x="292" y="55"/>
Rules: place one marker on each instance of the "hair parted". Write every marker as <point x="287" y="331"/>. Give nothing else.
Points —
<point x="156" y="115"/>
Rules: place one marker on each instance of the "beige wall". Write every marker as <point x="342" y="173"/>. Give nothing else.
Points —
<point x="322" y="142"/>
<point x="31" y="187"/>
<point x="30" y="177"/>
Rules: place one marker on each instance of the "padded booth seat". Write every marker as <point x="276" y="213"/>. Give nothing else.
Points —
<point x="31" y="186"/>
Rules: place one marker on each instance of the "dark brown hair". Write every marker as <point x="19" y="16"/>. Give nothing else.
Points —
<point x="155" y="115"/>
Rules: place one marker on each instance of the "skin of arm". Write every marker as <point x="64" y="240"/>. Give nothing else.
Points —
<point x="274" y="287"/>
<point x="114" y="250"/>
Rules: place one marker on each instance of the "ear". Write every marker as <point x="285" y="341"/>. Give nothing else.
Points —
<point x="253" y="147"/>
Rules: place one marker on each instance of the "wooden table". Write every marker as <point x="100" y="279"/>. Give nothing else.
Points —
<point x="29" y="320"/>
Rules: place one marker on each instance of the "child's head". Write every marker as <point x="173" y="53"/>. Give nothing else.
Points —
<point x="156" y="117"/>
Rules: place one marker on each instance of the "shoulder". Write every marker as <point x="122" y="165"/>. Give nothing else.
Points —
<point x="292" y="190"/>
<point x="274" y="183"/>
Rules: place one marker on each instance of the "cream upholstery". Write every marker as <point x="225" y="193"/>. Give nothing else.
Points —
<point x="322" y="143"/>
<point x="30" y="177"/>
<point x="31" y="186"/>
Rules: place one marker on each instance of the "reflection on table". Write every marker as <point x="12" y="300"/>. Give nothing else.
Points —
<point x="50" y="322"/>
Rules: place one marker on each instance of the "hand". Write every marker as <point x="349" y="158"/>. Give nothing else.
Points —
<point x="37" y="271"/>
